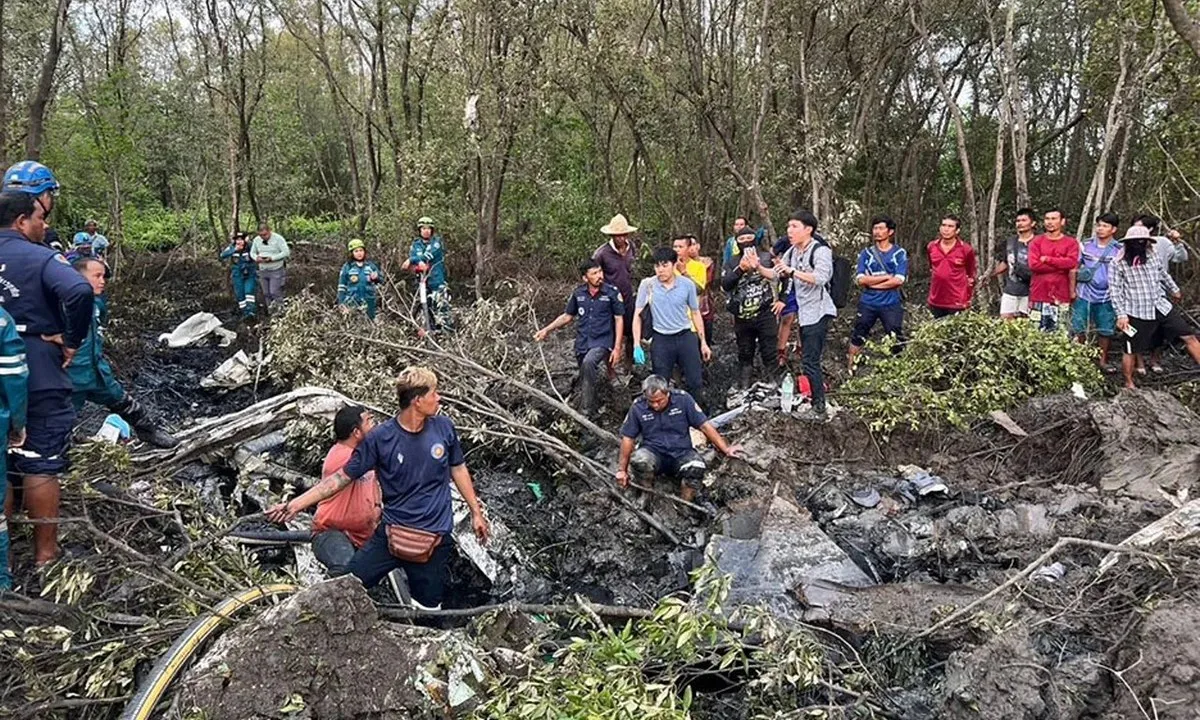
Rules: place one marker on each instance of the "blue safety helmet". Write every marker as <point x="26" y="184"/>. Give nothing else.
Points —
<point x="30" y="177"/>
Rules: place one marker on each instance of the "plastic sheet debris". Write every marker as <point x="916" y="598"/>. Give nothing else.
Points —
<point x="196" y="328"/>
<point x="865" y="497"/>
<point x="1050" y="573"/>
<point x="919" y="481"/>
<point x="235" y="372"/>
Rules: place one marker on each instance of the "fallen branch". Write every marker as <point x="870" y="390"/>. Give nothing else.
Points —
<point x="1029" y="570"/>
<point x="1179" y="524"/>
<point x="543" y="398"/>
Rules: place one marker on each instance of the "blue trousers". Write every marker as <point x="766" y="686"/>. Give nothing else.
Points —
<point x="245" y="289"/>
<point x="426" y="581"/>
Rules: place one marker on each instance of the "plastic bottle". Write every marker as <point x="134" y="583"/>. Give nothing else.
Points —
<point x="787" y="393"/>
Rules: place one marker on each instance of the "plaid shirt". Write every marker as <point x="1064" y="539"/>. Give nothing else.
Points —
<point x="1139" y="290"/>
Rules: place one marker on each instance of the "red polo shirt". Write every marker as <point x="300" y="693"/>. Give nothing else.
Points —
<point x="953" y="275"/>
<point x="1051" y="281"/>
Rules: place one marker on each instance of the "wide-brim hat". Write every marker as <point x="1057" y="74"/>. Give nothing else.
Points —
<point x="618" y="226"/>
<point x="1137" y="232"/>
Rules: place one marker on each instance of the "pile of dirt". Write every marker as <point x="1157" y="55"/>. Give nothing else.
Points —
<point x="325" y="653"/>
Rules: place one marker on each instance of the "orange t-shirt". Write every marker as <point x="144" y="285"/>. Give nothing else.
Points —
<point x="355" y="509"/>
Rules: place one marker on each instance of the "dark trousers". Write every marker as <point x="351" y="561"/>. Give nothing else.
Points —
<point x="591" y="365"/>
<point x="680" y="350"/>
<point x="891" y="316"/>
<point x="812" y="339"/>
<point x="426" y="581"/>
<point x="939" y="312"/>
<point x="763" y="331"/>
<point x="334" y="550"/>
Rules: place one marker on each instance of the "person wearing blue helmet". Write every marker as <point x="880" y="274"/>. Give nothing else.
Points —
<point x="51" y="306"/>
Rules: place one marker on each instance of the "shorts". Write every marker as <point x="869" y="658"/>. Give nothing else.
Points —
<point x="790" y="306"/>
<point x="1014" y="304"/>
<point x="48" y="426"/>
<point x="685" y="465"/>
<point x="1099" y="315"/>
<point x="1167" y="327"/>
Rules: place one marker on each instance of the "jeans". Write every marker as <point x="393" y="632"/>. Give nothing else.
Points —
<point x="812" y="339"/>
<point x="335" y="551"/>
<point x="426" y="581"/>
<point x="761" y="330"/>
<point x="272" y="283"/>
<point x="682" y="350"/>
<point x="591" y="364"/>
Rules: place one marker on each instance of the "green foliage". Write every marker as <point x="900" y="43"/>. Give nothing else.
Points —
<point x="963" y="367"/>
<point x="645" y="669"/>
<point x="154" y="228"/>
<point x="323" y="228"/>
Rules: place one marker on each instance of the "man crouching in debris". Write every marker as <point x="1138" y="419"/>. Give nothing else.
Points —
<point x="415" y="456"/>
<point x="92" y="376"/>
<point x="663" y="418"/>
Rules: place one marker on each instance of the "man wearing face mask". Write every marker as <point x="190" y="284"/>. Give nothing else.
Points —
<point x="51" y="305"/>
<point x="1139" y="284"/>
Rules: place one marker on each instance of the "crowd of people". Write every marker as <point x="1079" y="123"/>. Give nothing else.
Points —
<point x="383" y="507"/>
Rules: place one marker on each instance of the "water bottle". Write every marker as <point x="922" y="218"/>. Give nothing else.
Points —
<point x="787" y="393"/>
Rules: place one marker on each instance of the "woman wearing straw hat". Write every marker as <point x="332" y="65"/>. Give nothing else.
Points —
<point x="616" y="259"/>
<point x="1140" y="301"/>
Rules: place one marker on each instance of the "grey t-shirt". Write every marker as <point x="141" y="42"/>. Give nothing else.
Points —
<point x="669" y="306"/>
<point x="1016" y="254"/>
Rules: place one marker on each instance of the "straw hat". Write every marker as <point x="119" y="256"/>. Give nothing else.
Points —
<point x="618" y="226"/>
<point x="1137" y="232"/>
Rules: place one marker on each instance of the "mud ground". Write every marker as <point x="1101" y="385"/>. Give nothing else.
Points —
<point x="1008" y="500"/>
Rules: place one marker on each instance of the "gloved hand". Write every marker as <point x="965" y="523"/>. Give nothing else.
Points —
<point x="639" y="355"/>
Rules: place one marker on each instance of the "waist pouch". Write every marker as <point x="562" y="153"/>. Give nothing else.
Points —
<point x="412" y="545"/>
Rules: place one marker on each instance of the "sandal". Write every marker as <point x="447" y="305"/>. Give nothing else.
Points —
<point x="1157" y="369"/>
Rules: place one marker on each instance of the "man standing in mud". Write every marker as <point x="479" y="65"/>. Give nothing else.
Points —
<point x="415" y="456"/>
<point x="427" y="258"/>
<point x="598" y="338"/>
<point x="663" y="417"/>
<point x="270" y="250"/>
<point x="1053" y="260"/>
<point x="616" y="260"/>
<point x="51" y="305"/>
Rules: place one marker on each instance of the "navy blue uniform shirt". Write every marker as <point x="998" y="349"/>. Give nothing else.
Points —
<point x="413" y="470"/>
<point x="45" y="296"/>
<point x="594" y="316"/>
<point x="667" y="431"/>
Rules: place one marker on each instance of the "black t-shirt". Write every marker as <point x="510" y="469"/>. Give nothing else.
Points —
<point x="1016" y="254"/>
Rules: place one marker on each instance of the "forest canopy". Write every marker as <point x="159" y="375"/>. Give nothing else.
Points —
<point x="523" y="124"/>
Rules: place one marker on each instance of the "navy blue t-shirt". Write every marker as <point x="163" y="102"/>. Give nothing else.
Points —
<point x="413" y="471"/>
<point x="665" y="432"/>
<point x="594" y="316"/>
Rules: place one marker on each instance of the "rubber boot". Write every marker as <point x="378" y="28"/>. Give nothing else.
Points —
<point x="147" y="430"/>
<point x="745" y="377"/>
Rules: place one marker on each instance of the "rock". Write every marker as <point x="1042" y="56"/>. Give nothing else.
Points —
<point x="328" y="646"/>
<point x="792" y="567"/>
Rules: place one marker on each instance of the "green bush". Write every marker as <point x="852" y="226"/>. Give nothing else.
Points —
<point x="963" y="367"/>
<point x="156" y="228"/>
<point x="323" y="228"/>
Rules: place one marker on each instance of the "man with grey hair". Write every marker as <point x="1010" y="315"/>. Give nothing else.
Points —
<point x="663" y="417"/>
<point x="270" y="250"/>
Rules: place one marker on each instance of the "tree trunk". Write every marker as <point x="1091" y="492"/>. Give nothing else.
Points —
<point x="5" y="91"/>
<point x="1184" y="24"/>
<point x="1016" y="104"/>
<point x="960" y="125"/>
<point x="1095" y="192"/>
<point x="45" y="86"/>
